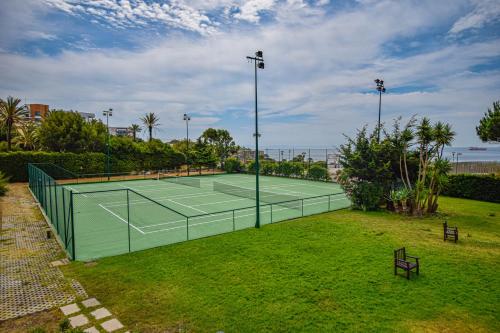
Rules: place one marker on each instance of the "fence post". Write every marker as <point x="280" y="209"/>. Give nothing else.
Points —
<point x="57" y="210"/>
<point x="128" y="221"/>
<point x="64" y="213"/>
<point x="72" y="226"/>
<point x="234" y="227"/>
<point x="187" y="228"/>
<point x="302" y="207"/>
<point x="329" y="199"/>
<point x="271" y="213"/>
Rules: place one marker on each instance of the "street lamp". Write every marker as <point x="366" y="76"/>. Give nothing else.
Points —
<point x="258" y="61"/>
<point x="381" y="89"/>
<point x="108" y="113"/>
<point x="187" y="119"/>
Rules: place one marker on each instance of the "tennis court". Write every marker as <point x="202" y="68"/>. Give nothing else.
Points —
<point x="111" y="218"/>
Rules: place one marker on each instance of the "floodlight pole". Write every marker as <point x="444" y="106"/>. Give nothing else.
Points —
<point x="107" y="113"/>
<point x="258" y="61"/>
<point x="187" y="119"/>
<point x="381" y="89"/>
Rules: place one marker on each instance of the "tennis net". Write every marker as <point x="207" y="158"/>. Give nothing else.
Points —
<point x="188" y="181"/>
<point x="285" y="200"/>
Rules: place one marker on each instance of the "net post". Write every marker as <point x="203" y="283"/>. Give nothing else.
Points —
<point x="72" y="225"/>
<point x="271" y="213"/>
<point x="234" y="226"/>
<point x="302" y="209"/>
<point x="128" y="220"/>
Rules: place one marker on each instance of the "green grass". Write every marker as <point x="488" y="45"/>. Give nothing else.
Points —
<point x="322" y="273"/>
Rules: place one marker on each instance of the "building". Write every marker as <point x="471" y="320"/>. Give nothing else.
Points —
<point x="87" y="115"/>
<point x="36" y="112"/>
<point x="121" y="131"/>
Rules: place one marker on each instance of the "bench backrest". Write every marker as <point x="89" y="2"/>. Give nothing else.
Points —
<point x="400" y="254"/>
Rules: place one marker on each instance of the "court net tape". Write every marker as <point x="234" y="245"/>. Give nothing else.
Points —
<point x="285" y="200"/>
<point x="188" y="181"/>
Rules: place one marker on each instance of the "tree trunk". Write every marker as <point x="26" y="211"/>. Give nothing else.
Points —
<point x="150" y="133"/>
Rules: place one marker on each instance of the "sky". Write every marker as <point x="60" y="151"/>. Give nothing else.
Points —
<point x="439" y="59"/>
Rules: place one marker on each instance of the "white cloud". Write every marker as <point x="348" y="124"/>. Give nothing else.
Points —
<point x="483" y="12"/>
<point x="314" y="87"/>
<point x="251" y="9"/>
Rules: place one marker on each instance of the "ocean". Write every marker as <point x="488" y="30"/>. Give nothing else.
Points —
<point x="491" y="154"/>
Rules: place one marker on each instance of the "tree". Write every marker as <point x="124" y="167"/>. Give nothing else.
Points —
<point x="135" y="129"/>
<point x="69" y="132"/>
<point x="222" y="142"/>
<point x="27" y="136"/>
<point x="489" y="125"/>
<point x="10" y="116"/>
<point x="151" y="121"/>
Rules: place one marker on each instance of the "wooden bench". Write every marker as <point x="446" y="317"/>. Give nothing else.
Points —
<point x="401" y="261"/>
<point x="450" y="232"/>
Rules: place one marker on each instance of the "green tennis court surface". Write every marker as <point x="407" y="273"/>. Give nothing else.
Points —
<point x="118" y="217"/>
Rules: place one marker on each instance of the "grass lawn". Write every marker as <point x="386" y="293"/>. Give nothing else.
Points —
<point x="323" y="273"/>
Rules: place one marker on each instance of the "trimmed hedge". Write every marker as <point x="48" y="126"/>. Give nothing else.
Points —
<point x="15" y="164"/>
<point x="477" y="187"/>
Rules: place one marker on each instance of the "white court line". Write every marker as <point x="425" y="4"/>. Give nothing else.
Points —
<point x="119" y="217"/>
<point x="76" y="191"/>
<point x="201" y="211"/>
<point x="229" y="218"/>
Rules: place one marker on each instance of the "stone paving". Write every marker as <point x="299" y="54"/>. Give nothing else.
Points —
<point x="28" y="281"/>
<point x="92" y="317"/>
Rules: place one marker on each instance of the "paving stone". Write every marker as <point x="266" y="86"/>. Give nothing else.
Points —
<point x="70" y="309"/>
<point x="91" y="302"/>
<point x="112" y="325"/>
<point x="101" y="313"/>
<point x="78" y="321"/>
<point x="91" y="330"/>
<point x="56" y="263"/>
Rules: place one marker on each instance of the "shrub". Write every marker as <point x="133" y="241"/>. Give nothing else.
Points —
<point x="268" y="168"/>
<point x="317" y="172"/>
<point x="477" y="187"/>
<point x="232" y="165"/>
<point x="3" y="184"/>
<point x="364" y="195"/>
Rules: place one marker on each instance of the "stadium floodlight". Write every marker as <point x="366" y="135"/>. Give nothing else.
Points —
<point x="258" y="61"/>
<point x="381" y="89"/>
<point x="107" y="113"/>
<point x="187" y="119"/>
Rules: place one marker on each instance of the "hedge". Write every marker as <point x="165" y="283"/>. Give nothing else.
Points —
<point x="15" y="164"/>
<point x="477" y="187"/>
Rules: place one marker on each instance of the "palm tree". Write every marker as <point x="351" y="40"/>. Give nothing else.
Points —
<point x="135" y="129"/>
<point x="150" y="120"/>
<point x="27" y="135"/>
<point x="10" y="115"/>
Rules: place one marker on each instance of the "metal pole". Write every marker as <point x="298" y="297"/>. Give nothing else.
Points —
<point x="379" y="109"/>
<point x="257" y="169"/>
<point x="187" y="145"/>
<point x="107" y="145"/>
<point x="128" y="220"/>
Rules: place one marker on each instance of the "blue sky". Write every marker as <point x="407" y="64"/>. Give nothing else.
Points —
<point x="439" y="59"/>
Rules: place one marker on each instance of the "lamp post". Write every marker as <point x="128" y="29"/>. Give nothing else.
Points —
<point x="108" y="113"/>
<point x="453" y="160"/>
<point x="187" y="119"/>
<point x="258" y="61"/>
<point x="381" y="89"/>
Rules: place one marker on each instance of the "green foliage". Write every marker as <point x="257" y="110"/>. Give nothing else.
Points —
<point x="11" y="115"/>
<point x="489" y="125"/>
<point x="68" y="132"/>
<point x="64" y="325"/>
<point x="232" y="165"/>
<point x="317" y="172"/>
<point x="365" y="195"/>
<point x="222" y="142"/>
<point x="268" y="168"/>
<point x="150" y="121"/>
<point x="477" y="187"/>
<point x="38" y="330"/>
<point x="15" y="164"/>
<point x="3" y="183"/>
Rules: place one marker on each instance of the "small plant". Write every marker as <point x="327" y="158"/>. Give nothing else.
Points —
<point x="64" y="325"/>
<point x="3" y="183"/>
<point x="37" y="330"/>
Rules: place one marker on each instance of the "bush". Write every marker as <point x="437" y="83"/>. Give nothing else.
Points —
<point x="15" y="164"/>
<point x="477" y="187"/>
<point x="317" y="172"/>
<point x="232" y="165"/>
<point x="3" y="184"/>
<point x="365" y="195"/>
<point x="268" y="168"/>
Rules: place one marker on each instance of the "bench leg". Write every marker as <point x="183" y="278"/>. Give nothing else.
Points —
<point x="408" y="274"/>
<point x="418" y="269"/>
